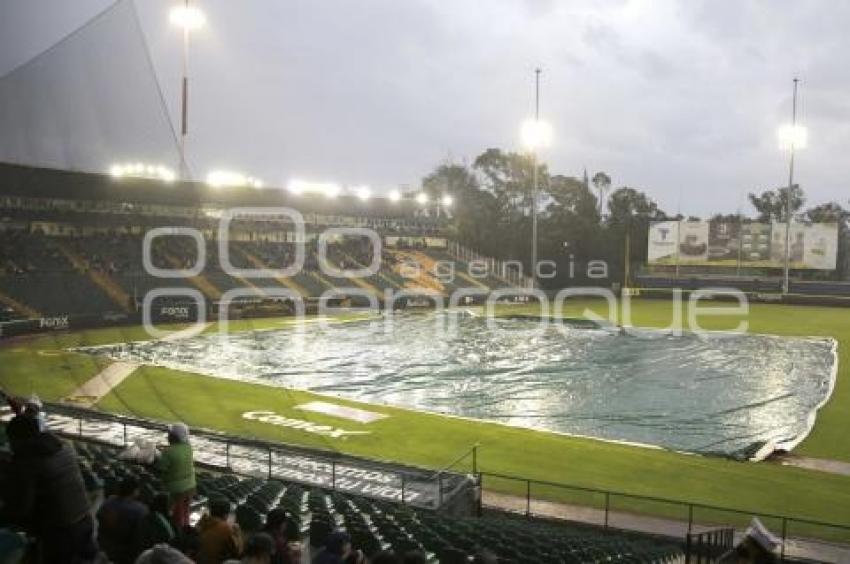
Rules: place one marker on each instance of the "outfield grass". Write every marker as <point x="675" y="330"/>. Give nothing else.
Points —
<point x="433" y="440"/>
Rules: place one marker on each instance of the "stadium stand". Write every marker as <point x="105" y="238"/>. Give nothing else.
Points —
<point x="375" y="525"/>
<point x="72" y="244"/>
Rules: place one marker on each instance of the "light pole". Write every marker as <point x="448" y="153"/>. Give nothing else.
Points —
<point x="627" y="256"/>
<point x="189" y="19"/>
<point x="534" y="183"/>
<point x="535" y="135"/>
<point x="791" y="137"/>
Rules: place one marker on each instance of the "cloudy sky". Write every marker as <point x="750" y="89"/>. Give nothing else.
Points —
<point x="681" y="99"/>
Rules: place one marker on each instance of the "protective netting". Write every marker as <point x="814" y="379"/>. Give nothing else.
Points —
<point x="88" y="101"/>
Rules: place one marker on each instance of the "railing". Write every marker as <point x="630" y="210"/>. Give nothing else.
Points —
<point x="370" y="477"/>
<point x="655" y="515"/>
<point x="447" y="470"/>
<point x="709" y="546"/>
<point x="499" y="269"/>
<point x="422" y="487"/>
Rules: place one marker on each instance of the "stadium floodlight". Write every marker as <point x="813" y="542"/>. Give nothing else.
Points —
<point x="793" y="137"/>
<point x="447" y="201"/>
<point x="222" y="178"/>
<point x="535" y="134"/>
<point x="422" y="198"/>
<point x="187" y="17"/>
<point x="395" y="196"/>
<point x="364" y="193"/>
<point x="142" y="170"/>
<point x="329" y="189"/>
<point x="295" y="186"/>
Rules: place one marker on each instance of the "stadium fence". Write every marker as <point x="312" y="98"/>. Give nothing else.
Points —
<point x="655" y="515"/>
<point x="461" y="483"/>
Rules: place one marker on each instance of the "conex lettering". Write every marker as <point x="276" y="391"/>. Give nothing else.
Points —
<point x="273" y="418"/>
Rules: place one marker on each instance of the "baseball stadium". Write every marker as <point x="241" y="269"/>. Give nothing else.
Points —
<point x="500" y="363"/>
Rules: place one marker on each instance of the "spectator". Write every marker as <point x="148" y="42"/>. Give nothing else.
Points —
<point x="259" y="549"/>
<point x="46" y="495"/>
<point x="338" y="551"/>
<point x="163" y="554"/>
<point x="31" y="407"/>
<point x="414" y="557"/>
<point x="285" y="534"/>
<point x="219" y="536"/>
<point x="155" y="528"/>
<point x="118" y="521"/>
<point x="178" y="472"/>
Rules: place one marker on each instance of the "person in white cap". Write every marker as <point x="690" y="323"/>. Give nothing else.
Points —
<point x="176" y="467"/>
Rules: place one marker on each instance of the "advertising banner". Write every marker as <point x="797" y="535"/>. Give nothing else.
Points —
<point x="693" y="242"/>
<point x="748" y="244"/>
<point x="663" y="242"/>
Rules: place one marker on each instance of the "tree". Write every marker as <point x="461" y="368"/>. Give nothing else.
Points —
<point x="728" y="218"/>
<point x="831" y="212"/>
<point x="572" y="220"/>
<point x="771" y="204"/>
<point x="602" y="183"/>
<point x="627" y="205"/>
<point x="475" y="212"/>
<point x="509" y="177"/>
<point x="630" y="212"/>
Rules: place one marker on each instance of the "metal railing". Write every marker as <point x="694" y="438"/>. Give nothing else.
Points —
<point x="331" y="469"/>
<point x="500" y="269"/>
<point x="707" y="547"/>
<point x="656" y="515"/>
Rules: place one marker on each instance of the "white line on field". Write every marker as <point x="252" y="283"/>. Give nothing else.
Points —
<point x="104" y="381"/>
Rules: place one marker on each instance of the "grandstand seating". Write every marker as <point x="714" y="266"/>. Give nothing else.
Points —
<point x="380" y="525"/>
<point x="98" y="273"/>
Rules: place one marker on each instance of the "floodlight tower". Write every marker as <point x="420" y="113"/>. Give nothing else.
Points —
<point x="535" y="135"/>
<point x="791" y="137"/>
<point x="188" y="18"/>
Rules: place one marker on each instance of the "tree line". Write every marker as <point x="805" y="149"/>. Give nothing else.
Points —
<point x="492" y="213"/>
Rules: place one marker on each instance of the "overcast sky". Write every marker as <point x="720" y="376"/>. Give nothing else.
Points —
<point x="681" y="99"/>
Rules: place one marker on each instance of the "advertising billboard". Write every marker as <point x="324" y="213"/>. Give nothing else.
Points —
<point x="663" y="242"/>
<point x="749" y="244"/>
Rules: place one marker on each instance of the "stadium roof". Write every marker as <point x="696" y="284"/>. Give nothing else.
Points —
<point x="32" y="182"/>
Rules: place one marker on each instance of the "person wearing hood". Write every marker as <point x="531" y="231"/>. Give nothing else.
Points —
<point x="176" y="467"/>
<point x="47" y="496"/>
